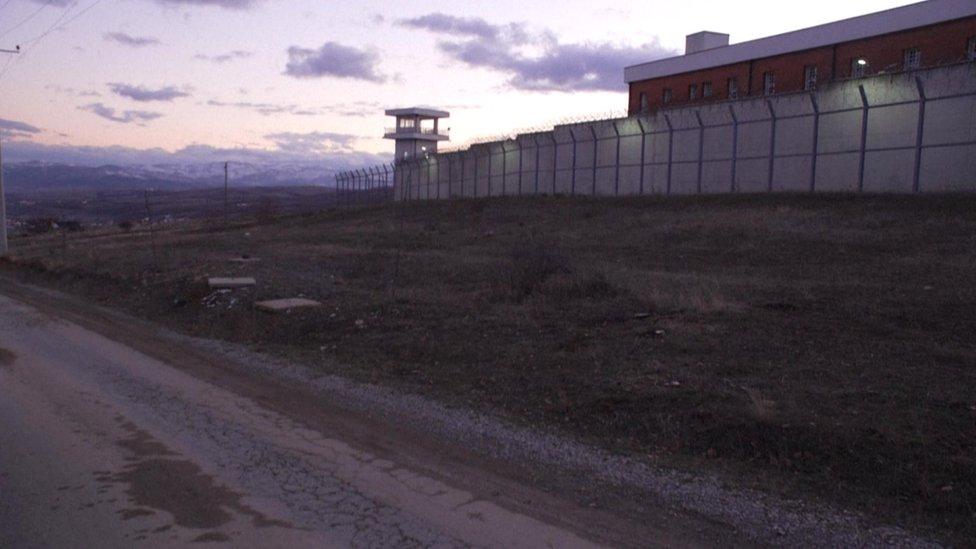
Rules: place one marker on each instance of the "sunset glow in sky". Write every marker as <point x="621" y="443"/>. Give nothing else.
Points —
<point x="103" y="81"/>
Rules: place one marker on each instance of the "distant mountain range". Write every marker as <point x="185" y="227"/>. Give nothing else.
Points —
<point x="41" y="176"/>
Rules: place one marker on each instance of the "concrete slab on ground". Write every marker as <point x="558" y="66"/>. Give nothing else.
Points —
<point x="280" y="305"/>
<point x="230" y="283"/>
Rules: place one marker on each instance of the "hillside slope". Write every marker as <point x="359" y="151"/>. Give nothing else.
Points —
<point x="814" y="345"/>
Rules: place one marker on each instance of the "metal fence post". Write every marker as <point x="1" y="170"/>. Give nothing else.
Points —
<point x="354" y="190"/>
<point x="701" y="149"/>
<point x="489" y="171"/>
<point x="428" y="163"/>
<point x="616" y="165"/>
<point x="338" y="195"/>
<point x="535" y="140"/>
<point x="555" y="157"/>
<point x="640" y="124"/>
<point x="464" y="157"/>
<point x="520" y="166"/>
<point x="595" y="152"/>
<point x="864" y="137"/>
<point x="450" y="175"/>
<point x="919" y="135"/>
<point x="772" y="145"/>
<point x="667" y="119"/>
<point x="386" y="181"/>
<point x="369" y="185"/>
<point x="475" y="173"/>
<point x="735" y="145"/>
<point x="504" y="168"/>
<point x="816" y="141"/>
<point x="572" y="185"/>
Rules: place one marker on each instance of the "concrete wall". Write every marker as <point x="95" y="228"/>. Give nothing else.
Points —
<point x="860" y="135"/>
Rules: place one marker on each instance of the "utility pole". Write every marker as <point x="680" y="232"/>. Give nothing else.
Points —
<point x="3" y="207"/>
<point x="3" y="204"/>
<point x="225" y="192"/>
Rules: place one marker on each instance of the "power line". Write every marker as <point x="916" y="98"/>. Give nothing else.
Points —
<point x="28" y="18"/>
<point x="55" y="26"/>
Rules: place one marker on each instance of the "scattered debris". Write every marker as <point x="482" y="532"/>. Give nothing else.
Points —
<point x="280" y="305"/>
<point x="360" y="323"/>
<point x="673" y="384"/>
<point x="226" y="283"/>
<point x="245" y="259"/>
<point x="642" y="316"/>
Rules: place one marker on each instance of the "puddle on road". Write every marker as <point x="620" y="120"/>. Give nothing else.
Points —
<point x="155" y="480"/>
<point x="7" y="357"/>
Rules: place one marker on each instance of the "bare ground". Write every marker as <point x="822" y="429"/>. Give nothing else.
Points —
<point x="814" y="345"/>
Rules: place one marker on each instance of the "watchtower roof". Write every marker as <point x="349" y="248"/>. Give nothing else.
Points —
<point x="422" y="112"/>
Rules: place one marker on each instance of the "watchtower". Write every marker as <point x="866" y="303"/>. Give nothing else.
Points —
<point x="417" y="131"/>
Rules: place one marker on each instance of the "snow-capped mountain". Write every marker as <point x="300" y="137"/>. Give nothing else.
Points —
<point x="42" y="176"/>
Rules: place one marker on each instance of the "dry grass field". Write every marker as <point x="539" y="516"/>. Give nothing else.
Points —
<point x="816" y="345"/>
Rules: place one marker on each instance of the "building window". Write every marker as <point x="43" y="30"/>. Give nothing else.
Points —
<point x="769" y="83"/>
<point x="859" y="67"/>
<point x="733" y="88"/>
<point x="810" y="77"/>
<point x="693" y="92"/>
<point x="706" y="89"/>
<point x="666" y="98"/>
<point x="971" y="49"/>
<point x="644" y="105"/>
<point x="913" y="59"/>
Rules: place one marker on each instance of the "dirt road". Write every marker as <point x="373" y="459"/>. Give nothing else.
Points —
<point x="103" y="444"/>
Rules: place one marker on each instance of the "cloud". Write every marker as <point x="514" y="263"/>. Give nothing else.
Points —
<point x="535" y="61"/>
<point x="334" y="59"/>
<point x="266" y="109"/>
<point x="139" y="93"/>
<point x="229" y="4"/>
<point x="72" y="91"/>
<point x="455" y="26"/>
<point x="123" y="117"/>
<point x="224" y="57"/>
<point x="352" y="109"/>
<point x="312" y="143"/>
<point x="16" y="129"/>
<point x="57" y="3"/>
<point x="129" y="40"/>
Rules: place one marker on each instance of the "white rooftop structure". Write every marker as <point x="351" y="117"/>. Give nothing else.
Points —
<point x="704" y="50"/>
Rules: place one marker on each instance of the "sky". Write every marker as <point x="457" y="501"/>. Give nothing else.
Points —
<point x="183" y="81"/>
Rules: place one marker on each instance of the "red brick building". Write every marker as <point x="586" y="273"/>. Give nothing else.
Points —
<point x="926" y="34"/>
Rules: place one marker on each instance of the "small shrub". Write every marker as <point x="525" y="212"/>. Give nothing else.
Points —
<point x="530" y="267"/>
<point x="267" y="210"/>
<point x="39" y="225"/>
<point x="568" y="287"/>
<point x="71" y="226"/>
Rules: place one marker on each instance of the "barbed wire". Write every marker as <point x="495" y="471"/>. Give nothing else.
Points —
<point x="539" y="128"/>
